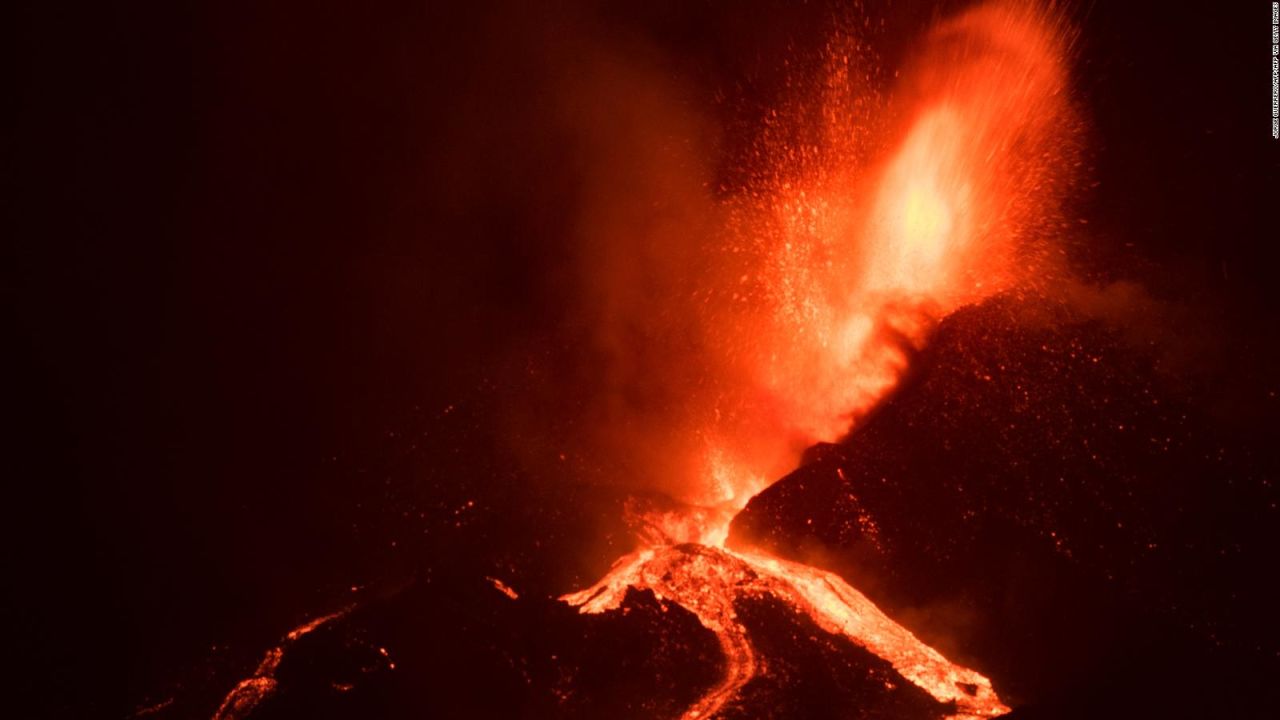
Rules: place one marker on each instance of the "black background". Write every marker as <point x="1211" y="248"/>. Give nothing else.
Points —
<point x="261" y="247"/>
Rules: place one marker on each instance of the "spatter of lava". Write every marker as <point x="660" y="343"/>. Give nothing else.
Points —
<point x="856" y="266"/>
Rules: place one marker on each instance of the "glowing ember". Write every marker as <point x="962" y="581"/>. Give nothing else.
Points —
<point x="504" y="588"/>
<point x="847" y="269"/>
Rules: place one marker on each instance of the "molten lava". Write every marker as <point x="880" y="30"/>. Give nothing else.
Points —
<point x="708" y="580"/>
<point x="848" y="266"/>
<point x="253" y="690"/>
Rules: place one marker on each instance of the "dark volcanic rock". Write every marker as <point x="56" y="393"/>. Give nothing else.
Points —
<point x="465" y="649"/>
<point x="1041" y="501"/>
<point x="810" y="673"/>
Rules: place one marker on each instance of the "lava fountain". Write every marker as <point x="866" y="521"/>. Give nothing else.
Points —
<point x="850" y="264"/>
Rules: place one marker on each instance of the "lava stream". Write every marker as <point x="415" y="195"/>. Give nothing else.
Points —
<point x="708" y="580"/>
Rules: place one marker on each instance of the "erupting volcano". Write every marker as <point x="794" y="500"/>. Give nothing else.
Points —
<point x="702" y="360"/>
<point x="851" y="260"/>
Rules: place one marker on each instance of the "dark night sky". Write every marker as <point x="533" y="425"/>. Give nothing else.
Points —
<point x="257" y="245"/>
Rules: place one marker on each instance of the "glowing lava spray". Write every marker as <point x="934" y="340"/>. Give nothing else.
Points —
<point x="848" y="265"/>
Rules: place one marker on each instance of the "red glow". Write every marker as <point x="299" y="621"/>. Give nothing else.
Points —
<point x="855" y="261"/>
<point x="833" y="270"/>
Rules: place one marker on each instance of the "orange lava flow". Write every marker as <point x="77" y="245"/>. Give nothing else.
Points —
<point x="707" y="580"/>
<point x="842" y="264"/>
<point x="251" y="692"/>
